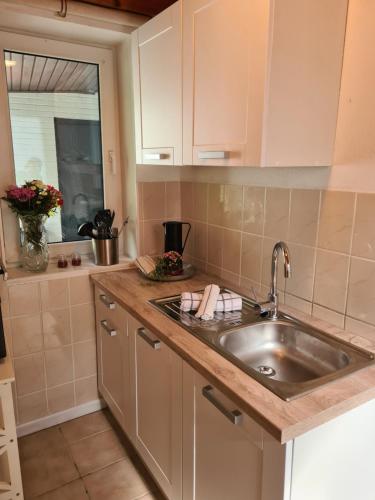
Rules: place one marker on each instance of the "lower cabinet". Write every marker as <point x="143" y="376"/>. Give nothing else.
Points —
<point x="223" y="448"/>
<point x="193" y="439"/>
<point x="157" y="407"/>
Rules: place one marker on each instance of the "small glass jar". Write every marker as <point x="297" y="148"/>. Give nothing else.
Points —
<point x="76" y="259"/>
<point x="62" y="261"/>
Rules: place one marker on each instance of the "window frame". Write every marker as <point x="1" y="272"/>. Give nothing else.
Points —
<point x="112" y="179"/>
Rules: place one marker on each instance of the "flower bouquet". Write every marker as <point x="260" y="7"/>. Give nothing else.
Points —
<point x="33" y="203"/>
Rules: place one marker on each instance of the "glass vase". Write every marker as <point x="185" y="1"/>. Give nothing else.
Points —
<point x="34" y="248"/>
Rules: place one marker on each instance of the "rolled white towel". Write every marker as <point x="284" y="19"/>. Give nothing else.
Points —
<point x="226" y="302"/>
<point x="208" y="304"/>
<point x="190" y="301"/>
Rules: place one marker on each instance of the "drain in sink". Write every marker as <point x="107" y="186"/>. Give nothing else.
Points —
<point x="266" y="370"/>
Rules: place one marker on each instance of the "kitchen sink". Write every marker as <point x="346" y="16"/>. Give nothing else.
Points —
<point x="287" y="356"/>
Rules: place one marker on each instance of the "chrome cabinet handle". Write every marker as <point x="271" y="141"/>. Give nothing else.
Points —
<point x="235" y="416"/>
<point x="155" y="156"/>
<point x="213" y="155"/>
<point x="111" y="332"/>
<point x="155" y="344"/>
<point x="108" y="303"/>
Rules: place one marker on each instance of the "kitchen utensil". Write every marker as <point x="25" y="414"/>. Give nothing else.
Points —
<point x="85" y="229"/>
<point x="173" y="236"/>
<point x="106" y="252"/>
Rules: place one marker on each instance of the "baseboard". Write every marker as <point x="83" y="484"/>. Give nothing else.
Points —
<point x="60" y="417"/>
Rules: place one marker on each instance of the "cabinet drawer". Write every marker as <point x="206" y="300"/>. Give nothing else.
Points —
<point x="107" y="309"/>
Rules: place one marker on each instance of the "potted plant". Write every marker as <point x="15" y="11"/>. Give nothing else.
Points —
<point x="33" y="203"/>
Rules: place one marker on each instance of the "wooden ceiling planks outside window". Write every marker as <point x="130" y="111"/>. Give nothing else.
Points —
<point x="47" y="74"/>
<point x="144" y="7"/>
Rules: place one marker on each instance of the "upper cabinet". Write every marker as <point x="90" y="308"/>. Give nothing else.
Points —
<point x="157" y="74"/>
<point x="261" y="81"/>
<point x="260" y="84"/>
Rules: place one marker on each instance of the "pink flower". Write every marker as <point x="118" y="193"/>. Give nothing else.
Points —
<point x="20" y="193"/>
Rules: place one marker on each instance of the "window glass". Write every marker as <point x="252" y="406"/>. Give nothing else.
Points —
<point x="56" y="133"/>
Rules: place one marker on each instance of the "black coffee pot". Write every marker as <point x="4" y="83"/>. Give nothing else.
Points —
<point x="173" y="236"/>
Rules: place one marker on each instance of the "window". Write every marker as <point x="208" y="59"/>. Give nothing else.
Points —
<point x="56" y="133"/>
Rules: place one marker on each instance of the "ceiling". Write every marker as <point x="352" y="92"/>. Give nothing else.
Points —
<point x="144" y="7"/>
<point x="47" y="74"/>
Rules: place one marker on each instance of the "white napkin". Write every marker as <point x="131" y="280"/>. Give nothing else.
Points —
<point x="207" y="306"/>
<point x="226" y="302"/>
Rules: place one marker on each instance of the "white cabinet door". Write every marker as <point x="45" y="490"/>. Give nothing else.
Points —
<point x="224" y="44"/>
<point x="261" y="81"/>
<point x="226" y="454"/>
<point x="156" y="48"/>
<point x="157" y="402"/>
<point x="113" y="356"/>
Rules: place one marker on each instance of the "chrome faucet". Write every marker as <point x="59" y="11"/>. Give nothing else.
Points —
<point x="272" y="305"/>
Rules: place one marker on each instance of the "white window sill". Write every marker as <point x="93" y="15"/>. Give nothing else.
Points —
<point x="20" y="275"/>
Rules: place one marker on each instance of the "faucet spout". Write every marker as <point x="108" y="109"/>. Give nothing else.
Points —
<point x="279" y="248"/>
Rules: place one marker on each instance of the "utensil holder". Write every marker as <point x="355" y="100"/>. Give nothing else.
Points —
<point x="105" y="251"/>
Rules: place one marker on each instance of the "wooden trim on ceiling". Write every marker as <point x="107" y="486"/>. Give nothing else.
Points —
<point x="144" y="7"/>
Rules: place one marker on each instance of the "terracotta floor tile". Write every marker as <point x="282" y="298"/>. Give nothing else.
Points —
<point x="120" y="481"/>
<point x="71" y="491"/>
<point x="85" y="426"/>
<point x="47" y="470"/>
<point x="97" y="451"/>
<point x="46" y="440"/>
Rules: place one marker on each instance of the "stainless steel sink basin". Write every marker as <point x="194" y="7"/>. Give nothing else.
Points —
<point x="285" y="355"/>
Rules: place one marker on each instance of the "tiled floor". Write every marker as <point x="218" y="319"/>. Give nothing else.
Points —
<point x="86" y="458"/>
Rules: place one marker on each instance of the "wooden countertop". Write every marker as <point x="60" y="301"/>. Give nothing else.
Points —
<point x="284" y="420"/>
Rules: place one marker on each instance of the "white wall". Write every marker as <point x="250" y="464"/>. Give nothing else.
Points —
<point x="33" y="135"/>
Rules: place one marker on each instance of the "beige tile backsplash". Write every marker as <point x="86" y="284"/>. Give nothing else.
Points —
<point x="331" y="236"/>
<point x="50" y="329"/>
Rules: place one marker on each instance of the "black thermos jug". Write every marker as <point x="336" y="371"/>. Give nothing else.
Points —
<point x="173" y="236"/>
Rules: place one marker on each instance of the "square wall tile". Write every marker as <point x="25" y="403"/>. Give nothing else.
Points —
<point x="84" y="354"/>
<point x="26" y="334"/>
<point x="232" y="207"/>
<point x="361" y="292"/>
<point x="29" y="372"/>
<point x="173" y="200"/>
<point x="83" y="322"/>
<point x="4" y="295"/>
<point x="154" y="200"/>
<point x="325" y="314"/>
<point x="253" y="209"/>
<point x="215" y="246"/>
<point x="153" y="238"/>
<point x="24" y="299"/>
<point x="54" y="294"/>
<point x="364" y="227"/>
<point x="277" y="213"/>
<point x="60" y="398"/>
<point x="331" y="278"/>
<point x="32" y="406"/>
<point x="56" y="328"/>
<point x="297" y="303"/>
<point x="187" y="200"/>
<point x="200" y="241"/>
<point x="81" y="290"/>
<point x="86" y="389"/>
<point x="200" y="201"/>
<point x="231" y="251"/>
<point x="216" y="195"/>
<point x="359" y="328"/>
<point x="59" y="366"/>
<point x="336" y="220"/>
<point x="301" y="282"/>
<point x="251" y="257"/>
<point x="304" y="214"/>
